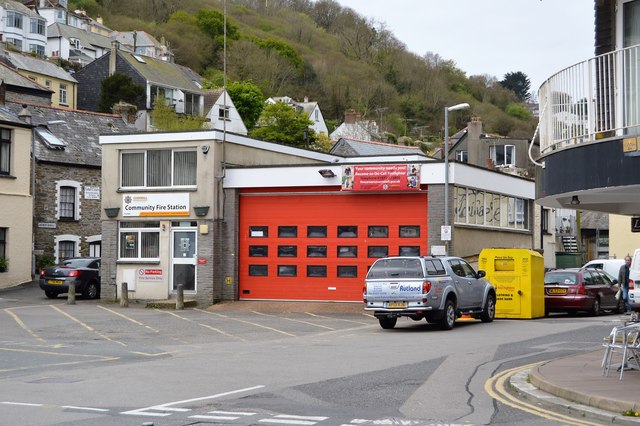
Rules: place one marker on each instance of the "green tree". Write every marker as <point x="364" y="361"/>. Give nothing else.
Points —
<point x="283" y="124"/>
<point x="119" y="87"/>
<point x="518" y="83"/>
<point x="248" y="100"/>
<point x="164" y="118"/>
<point x="211" y="22"/>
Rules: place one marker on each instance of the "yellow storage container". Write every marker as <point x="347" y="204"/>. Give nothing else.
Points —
<point x="518" y="276"/>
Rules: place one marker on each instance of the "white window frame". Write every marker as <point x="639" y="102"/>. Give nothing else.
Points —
<point x="508" y="151"/>
<point x="14" y="19"/>
<point x="513" y="211"/>
<point x="138" y="231"/>
<point x="77" y="208"/>
<point x="63" y="94"/>
<point x="38" y="25"/>
<point x="95" y="241"/>
<point x="66" y="238"/>
<point x="462" y="155"/>
<point x="145" y="172"/>
<point x="6" y="146"/>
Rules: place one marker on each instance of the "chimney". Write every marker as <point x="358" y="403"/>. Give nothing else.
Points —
<point x="306" y="99"/>
<point x="112" y="57"/>
<point x="490" y="164"/>
<point x="3" y="92"/>
<point x="474" y="129"/>
<point x="350" y="116"/>
<point x="126" y="111"/>
<point x="24" y="114"/>
<point x="99" y="20"/>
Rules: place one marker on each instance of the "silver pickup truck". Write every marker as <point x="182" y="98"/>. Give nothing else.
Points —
<point x="438" y="289"/>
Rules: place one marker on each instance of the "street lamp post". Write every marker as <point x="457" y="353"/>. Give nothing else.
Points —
<point x="446" y="157"/>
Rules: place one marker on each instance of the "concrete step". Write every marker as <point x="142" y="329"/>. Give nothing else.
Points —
<point x="169" y="304"/>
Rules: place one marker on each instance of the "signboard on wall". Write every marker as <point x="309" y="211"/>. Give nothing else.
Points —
<point x="383" y="177"/>
<point x="150" y="275"/>
<point x="92" y="192"/>
<point x="171" y="204"/>
<point x="635" y="224"/>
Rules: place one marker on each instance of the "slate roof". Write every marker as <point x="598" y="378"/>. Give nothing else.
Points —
<point x="29" y="63"/>
<point x="356" y="148"/>
<point x="210" y="98"/>
<point x="143" y="39"/>
<point x="8" y="116"/>
<point x="12" y="77"/>
<point x="163" y="73"/>
<point x="79" y="130"/>
<point x="87" y="38"/>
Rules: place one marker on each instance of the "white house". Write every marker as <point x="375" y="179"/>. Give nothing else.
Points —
<point x="222" y="113"/>
<point x="311" y="109"/>
<point x="22" y="27"/>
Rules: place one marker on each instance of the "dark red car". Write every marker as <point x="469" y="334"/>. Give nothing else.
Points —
<point x="84" y="273"/>
<point x="575" y="289"/>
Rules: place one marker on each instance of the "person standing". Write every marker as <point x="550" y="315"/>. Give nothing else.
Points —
<point x="623" y="280"/>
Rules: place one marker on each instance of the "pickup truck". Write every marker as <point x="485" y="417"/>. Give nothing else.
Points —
<point x="438" y="289"/>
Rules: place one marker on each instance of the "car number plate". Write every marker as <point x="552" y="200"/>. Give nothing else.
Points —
<point x="557" y="291"/>
<point x="55" y="281"/>
<point x="396" y="305"/>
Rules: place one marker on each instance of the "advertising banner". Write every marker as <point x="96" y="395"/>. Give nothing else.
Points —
<point x="384" y="177"/>
<point x="155" y="205"/>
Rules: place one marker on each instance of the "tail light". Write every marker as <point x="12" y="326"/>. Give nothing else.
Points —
<point x="74" y="273"/>
<point x="631" y="286"/>
<point x="42" y="273"/>
<point x="364" y="294"/>
<point x="581" y="289"/>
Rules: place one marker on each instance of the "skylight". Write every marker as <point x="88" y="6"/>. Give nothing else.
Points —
<point x="50" y="139"/>
<point x="139" y="59"/>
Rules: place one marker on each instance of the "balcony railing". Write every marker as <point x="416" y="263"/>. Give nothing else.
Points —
<point x="595" y="99"/>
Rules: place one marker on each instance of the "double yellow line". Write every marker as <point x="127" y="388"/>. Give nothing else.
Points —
<point x="496" y="387"/>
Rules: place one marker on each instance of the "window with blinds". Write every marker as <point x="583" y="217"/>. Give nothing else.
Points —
<point x="159" y="168"/>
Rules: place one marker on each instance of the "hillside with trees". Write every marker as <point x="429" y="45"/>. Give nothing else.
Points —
<point x="329" y="54"/>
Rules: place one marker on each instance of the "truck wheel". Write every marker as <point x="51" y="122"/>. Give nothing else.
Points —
<point x="387" y="322"/>
<point x="489" y="311"/>
<point x="449" y="318"/>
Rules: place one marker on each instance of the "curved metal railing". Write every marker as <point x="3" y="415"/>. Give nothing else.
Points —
<point x="595" y="99"/>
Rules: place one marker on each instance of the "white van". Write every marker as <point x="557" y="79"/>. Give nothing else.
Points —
<point x="612" y="266"/>
<point x="634" y="277"/>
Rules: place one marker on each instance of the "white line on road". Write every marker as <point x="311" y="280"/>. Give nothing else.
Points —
<point x="73" y="407"/>
<point x="205" y="417"/>
<point x="26" y="404"/>
<point x="287" y="422"/>
<point x="233" y="413"/>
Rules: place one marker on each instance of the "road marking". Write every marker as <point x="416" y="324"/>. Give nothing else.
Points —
<point x="250" y="323"/>
<point x="100" y="358"/>
<point x="335" y="319"/>
<point x="25" y="404"/>
<point x="224" y="333"/>
<point x="148" y="411"/>
<point x="73" y="407"/>
<point x="294" y="320"/>
<point x="233" y="413"/>
<point x="205" y="417"/>
<point x="288" y="419"/>
<point x="495" y="387"/>
<point x="23" y="325"/>
<point x="89" y="328"/>
<point x="129" y="319"/>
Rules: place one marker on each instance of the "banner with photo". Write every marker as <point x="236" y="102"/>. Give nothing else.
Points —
<point x="385" y="177"/>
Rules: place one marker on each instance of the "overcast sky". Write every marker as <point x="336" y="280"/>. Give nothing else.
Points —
<point x="494" y="37"/>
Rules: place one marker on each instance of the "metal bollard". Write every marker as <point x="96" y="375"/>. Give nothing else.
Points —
<point x="180" y="297"/>
<point x="124" y="296"/>
<point x="71" y="294"/>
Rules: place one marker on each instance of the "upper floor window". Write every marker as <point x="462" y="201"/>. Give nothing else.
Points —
<point x="61" y="17"/>
<point x="37" y="26"/>
<point x="191" y="104"/>
<point x="158" y="168"/>
<point x="14" y="19"/>
<point x="223" y="113"/>
<point x="63" y="94"/>
<point x="462" y="156"/>
<point x="75" y="43"/>
<point x="15" y="42"/>
<point x="503" y="155"/>
<point x="5" y="151"/>
<point x="68" y="200"/>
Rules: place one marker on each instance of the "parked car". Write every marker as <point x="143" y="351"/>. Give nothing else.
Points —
<point x="581" y="289"/>
<point x="84" y="272"/>
<point x="438" y="289"/>
<point x="634" y="277"/>
<point x="612" y="266"/>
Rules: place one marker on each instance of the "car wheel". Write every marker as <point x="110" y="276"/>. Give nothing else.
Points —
<point x="91" y="290"/>
<point x="51" y="294"/>
<point x="595" y="310"/>
<point x="449" y="318"/>
<point x="387" y="322"/>
<point x="489" y="311"/>
<point x="621" y="308"/>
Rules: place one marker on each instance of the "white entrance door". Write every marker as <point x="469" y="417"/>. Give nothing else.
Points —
<point x="183" y="259"/>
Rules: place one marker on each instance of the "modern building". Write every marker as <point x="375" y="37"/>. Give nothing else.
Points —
<point x="230" y="217"/>
<point x="590" y="121"/>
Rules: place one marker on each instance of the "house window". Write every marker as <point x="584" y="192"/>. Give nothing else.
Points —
<point x="14" y="19"/>
<point x="544" y="220"/>
<point x="95" y="249"/>
<point x="63" y="94"/>
<point x="158" y="168"/>
<point x="66" y="247"/>
<point x="223" y="113"/>
<point x="37" y="49"/>
<point x="158" y="92"/>
<point x="60" y="16"/>
<point x="47" y="84"/>
<point x="503" y="155"/>
<point x="462" y="156"/>
<point x="37" y="26"/>
<point x="488" y="209"/>
<point x="5" y="151"/>
<point x="139" y="241"/>
<point x="3" y="242"/>
<point x="15" y="42"/>
<point x="192" y="104"/>
<point x="68" y="200"/>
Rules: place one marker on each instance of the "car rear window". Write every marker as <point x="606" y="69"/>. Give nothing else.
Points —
<point x="561" y="278"/>
<point x="77" y="263"/>
<point x="396" y="268"/>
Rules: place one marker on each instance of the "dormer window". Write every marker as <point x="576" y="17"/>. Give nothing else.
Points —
<point x="75" y="43"/>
